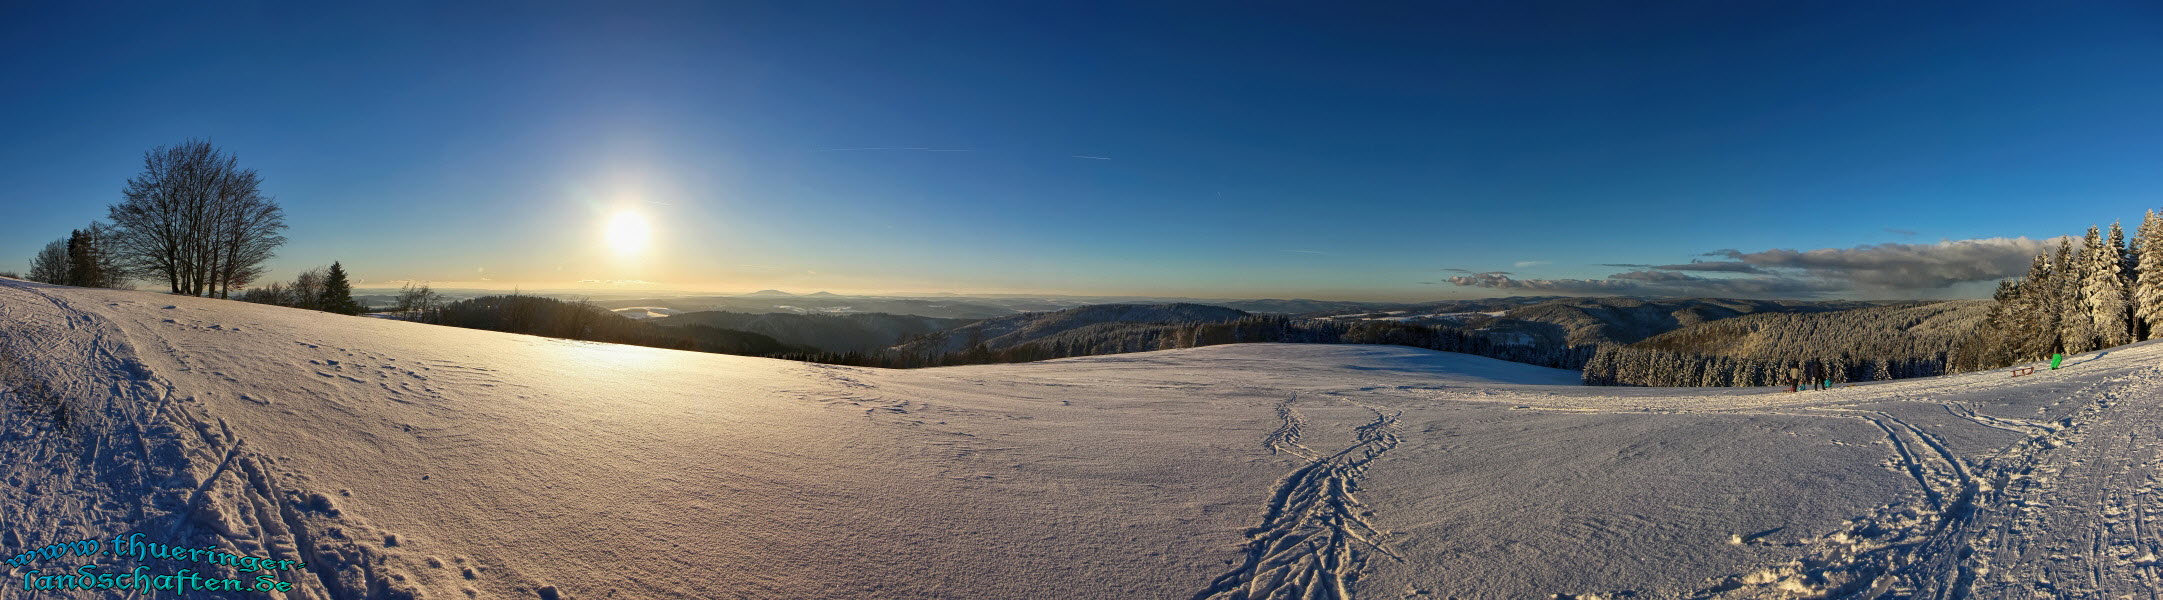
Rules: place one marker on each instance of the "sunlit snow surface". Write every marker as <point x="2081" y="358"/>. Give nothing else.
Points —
<point x="646" y="312"/>
<point x="407" y="460"/>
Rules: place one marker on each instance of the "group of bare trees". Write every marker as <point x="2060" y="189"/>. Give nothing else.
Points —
<point x="197" y="220"/>
<point x="85" y="258"/>
<point x="418" y="302"/>
<point x="192" y="218"/>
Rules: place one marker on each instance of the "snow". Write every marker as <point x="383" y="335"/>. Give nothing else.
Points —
<point x="813" y="310"/>
<point x="1414" y="317"/>
<point x="407" y="460"/>
<point x="647" y="312"/>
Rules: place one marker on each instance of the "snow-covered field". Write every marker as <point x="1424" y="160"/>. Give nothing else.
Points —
<point x="406" y="460"/>
<point x="647" y="312"/>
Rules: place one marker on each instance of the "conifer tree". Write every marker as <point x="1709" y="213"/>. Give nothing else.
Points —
<point x="84" y="258"/>
<point x="2073" y="325"/>
<point x="338" y="292"/>
<point x="2148" y="276"/>
<point x="80" y="259"/>
<point x="2104" y="290"/>
<point x="2028" y="306"/>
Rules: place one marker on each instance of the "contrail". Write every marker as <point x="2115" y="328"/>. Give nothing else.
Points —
<point x="908" y="148"/>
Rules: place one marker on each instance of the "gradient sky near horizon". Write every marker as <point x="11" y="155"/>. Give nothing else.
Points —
<point x="1324" y="150"/>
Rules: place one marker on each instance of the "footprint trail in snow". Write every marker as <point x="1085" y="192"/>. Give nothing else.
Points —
<point x="1316" y="534"/>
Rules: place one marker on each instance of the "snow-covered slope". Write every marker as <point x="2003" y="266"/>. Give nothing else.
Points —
<point x="405" y="460"/>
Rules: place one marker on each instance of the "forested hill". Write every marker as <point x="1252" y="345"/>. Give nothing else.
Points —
<point x="851" y="332"/>
<point x="535" y="315"/>
<point x="1557" y="332"/>
<point x="1587" y="321"/>
<point x="1004" y="332"/>
<point x="1879" y="342"/>
<point x="1895" y="331"/>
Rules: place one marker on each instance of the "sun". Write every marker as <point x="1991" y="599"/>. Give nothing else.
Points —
<point x="627" y="233"/>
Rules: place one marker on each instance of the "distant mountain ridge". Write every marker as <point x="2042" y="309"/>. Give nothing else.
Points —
<point x="1004" y="332"/>
<point x="851" y="332"/>
<point x="783" y="302"/>
<point x="1527" y="321"/>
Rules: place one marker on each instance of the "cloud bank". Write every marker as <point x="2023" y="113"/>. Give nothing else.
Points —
<point x="1883" y="270"/>
<point x="1909" y="266"/>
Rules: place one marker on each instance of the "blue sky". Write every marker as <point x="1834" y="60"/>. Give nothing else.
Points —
<point x="1212" y="150"/>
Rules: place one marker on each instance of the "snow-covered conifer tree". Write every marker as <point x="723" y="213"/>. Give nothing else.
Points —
<point x="2105" y="289"/>
<point x="2148" y="276"/>
<point x="2034" y="320"/>
<point x="2073" y="326"/>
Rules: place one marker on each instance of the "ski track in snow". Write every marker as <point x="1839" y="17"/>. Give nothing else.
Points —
<point x="242" y="503"/>
<point x="2061" y="513"/>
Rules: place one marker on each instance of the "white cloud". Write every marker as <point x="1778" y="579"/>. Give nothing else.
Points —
<point x="1659" y="283"/>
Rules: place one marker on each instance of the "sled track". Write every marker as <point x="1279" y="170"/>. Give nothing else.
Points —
<point x="1316" y="534"/>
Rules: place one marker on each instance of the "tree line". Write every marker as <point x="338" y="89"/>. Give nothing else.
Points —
<point x="1116" y="338"/>
<point x="580" y="320"/>
<point x="322" y="288"/>
<point x="1616" y="364"/>
<point x="2095" y="292"/>
<point x="1864" y="344"/>
<point x="2098" y="294"/>
<point x="85" y="258"/>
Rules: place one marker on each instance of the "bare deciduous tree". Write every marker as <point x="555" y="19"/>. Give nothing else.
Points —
<point x="51" y="264"/>
<point x="307" y="289"/>
<point x="196" y="220"/>
<point x="416" y="303"/>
